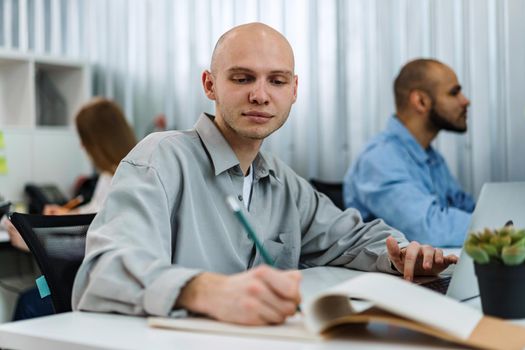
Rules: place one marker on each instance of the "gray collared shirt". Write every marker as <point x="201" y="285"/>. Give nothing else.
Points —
<point x="165" y="220"/>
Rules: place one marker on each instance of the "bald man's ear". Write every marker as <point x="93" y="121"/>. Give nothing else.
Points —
<point x="208" y="83"/>
<point x="420" y="101"/>
<point x="296" y="85"/>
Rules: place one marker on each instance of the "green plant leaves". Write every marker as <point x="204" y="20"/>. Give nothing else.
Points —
<point x="506" y="245"/>
<point x="477" y="253"/>
<point x="513" y="255"/>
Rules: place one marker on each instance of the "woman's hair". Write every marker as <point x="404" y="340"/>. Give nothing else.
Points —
<point x="104" y="133"/>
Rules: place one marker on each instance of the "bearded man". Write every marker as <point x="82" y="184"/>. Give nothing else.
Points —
<point x="400" y="177"/>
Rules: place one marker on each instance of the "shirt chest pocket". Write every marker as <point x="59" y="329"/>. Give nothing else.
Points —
<point x="284" y="250"/>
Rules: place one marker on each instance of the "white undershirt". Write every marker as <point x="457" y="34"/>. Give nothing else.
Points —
<point x="247" y="188"/>
<point x="99" y="196"/>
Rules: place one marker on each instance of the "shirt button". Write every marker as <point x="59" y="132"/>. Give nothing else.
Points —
<point x="240" y="197"/>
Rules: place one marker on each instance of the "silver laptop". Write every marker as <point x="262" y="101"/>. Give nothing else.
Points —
<point x="497" y="204"/>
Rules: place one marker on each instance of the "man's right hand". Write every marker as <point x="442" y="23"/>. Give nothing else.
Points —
<point x="259" y="296"/>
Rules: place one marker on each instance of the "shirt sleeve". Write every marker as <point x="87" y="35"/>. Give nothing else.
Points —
<point x="386" y="187"/>
<point x="127" y="268"/>
<point x="459" y="198"/>
<point x="332" y="237"/>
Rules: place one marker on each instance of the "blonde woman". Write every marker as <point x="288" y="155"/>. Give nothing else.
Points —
<point x="107" y="138"/>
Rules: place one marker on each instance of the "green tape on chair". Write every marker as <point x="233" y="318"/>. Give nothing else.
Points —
<point x="42" y="286"/>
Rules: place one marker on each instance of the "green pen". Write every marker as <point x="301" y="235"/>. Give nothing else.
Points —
<point x="234" y="206"/>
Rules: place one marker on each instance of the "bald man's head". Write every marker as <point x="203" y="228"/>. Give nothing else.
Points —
<point x="418" y="74"/>
<point x="250" y="35"/>
<point x="252" y="82"/>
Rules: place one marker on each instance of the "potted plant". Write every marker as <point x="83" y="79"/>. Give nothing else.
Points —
<point x="499" y="262"/>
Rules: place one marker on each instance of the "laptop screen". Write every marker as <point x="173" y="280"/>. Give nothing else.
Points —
<point x="498" y="203"/>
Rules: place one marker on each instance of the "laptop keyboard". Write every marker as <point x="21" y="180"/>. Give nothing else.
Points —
<point x="439" y="285"/>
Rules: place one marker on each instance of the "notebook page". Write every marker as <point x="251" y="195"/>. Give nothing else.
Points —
<point x="406" y="299"/>
<point x="293" y="328"/>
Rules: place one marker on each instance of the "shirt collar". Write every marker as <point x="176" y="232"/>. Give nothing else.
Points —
<point x="397" y="128"/>
<point x="264" y="168"/>
<point x="222" y="156"/>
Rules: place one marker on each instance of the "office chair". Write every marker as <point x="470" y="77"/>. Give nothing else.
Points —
<point x="333" y="190"/>
<point x="58" y="245"/>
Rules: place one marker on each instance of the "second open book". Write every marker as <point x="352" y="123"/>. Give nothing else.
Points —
<point x="375" y="297"/>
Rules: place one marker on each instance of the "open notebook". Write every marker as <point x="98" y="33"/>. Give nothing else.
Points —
<point x="376" y="297"/>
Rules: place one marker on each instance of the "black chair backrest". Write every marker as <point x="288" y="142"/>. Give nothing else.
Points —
<point x="333" y="190"/>
<point x="58" y="244"/>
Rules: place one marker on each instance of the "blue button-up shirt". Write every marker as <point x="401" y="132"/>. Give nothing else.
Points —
<point x="410" y="187"/>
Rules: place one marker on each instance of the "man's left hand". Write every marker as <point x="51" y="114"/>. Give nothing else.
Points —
<point x="418" y="259"/>
<point x="14" y="236"/>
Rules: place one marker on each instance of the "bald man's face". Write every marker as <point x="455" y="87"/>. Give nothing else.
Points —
<point x="449" y="108"/>
<point x="252" y="83"/>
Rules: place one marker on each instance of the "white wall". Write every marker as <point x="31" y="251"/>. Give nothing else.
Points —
<point x="48" y="156"/>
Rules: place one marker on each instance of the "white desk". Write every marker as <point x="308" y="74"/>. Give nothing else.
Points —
<point x="80" y="330"/>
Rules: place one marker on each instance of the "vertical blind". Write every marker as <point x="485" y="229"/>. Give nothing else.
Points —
<point x="149" y="54"/>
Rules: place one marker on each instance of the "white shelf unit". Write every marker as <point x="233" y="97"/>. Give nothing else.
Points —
<point x="39" y="97"/>
<point x="16" y="92"/>
<point x="70" y="80"/>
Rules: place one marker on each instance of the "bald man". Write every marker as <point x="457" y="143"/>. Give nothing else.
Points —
<point x="399" y="176"/>
<point x="166" y="241"/>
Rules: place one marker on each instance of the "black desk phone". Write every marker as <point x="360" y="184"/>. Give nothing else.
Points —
<point x="40" y="195"/>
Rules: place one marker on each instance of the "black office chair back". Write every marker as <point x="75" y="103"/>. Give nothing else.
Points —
<point x="58" y="245"/>
<point x="333" y="190"/>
